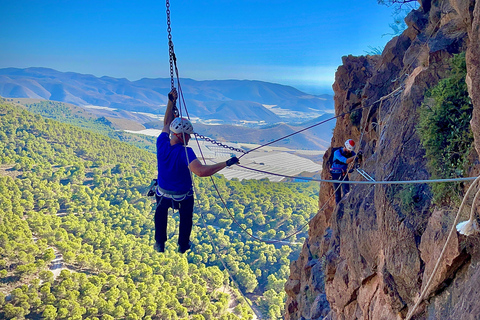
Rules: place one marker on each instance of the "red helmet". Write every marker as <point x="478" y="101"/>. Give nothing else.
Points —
<point x="350" y="144"/>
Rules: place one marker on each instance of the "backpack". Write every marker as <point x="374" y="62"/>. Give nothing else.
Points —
<point x="330" y="158"/>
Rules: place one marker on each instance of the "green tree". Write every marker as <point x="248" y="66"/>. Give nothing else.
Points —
<point x="104" y="228"/>
<point x="50" y="312"/>
<point x="13" y="312"/>
<point x="445" y="132"/>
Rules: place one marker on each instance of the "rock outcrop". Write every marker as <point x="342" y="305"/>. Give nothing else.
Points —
<point x="473" y="68"/>
<point x="370" y="257"/>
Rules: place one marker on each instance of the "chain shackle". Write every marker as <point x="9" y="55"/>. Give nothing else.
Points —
<point x="219" y="143"/>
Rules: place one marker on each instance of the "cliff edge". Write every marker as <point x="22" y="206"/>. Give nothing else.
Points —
<point x="369" y="257"/>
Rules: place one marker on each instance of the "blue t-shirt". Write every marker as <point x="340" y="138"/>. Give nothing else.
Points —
<point x="340" y="160"/>
<point x="173" y="173"/>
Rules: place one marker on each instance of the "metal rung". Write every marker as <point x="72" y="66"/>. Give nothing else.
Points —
<point x="365" y="175"/>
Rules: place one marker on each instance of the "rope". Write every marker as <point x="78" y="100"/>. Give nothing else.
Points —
<point x="348" y="112"/>
<point x="173" y="65"/>
<point x="250" y="234"/>
<point x="437" y="265"/>
<point x="215" y="247"/>
<point x="228" y="271"/>
<point x="321" y="122"/>
<point x="325" y="203"/>
<point x="470" y="226"/>
<point x="211" y="238"/>
<point x="270" y="241"/>
<point x="173" y="62"/>
<point x="321" y="209"/>
<point x="363" y="182"/>
<point x="182" y="99"/>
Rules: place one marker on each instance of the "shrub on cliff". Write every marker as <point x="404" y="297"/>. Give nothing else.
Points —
<point x="444" y="130"/>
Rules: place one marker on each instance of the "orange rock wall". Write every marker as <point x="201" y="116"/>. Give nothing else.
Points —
<point x="370" y="257"/>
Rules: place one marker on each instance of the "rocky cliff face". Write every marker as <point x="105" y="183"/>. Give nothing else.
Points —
<point x="369" y="257"/>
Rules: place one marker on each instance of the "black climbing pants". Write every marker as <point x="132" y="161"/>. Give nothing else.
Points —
<point x="345" y="186"/>
<point x="185" y="208"/>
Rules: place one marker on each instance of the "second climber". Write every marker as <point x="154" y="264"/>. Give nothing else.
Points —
<point x="342" y="157"/>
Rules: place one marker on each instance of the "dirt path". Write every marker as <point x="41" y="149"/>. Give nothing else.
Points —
<point x="57" y="264"/>
<point x="8" y="171"/>
<point x="232" y="304"/>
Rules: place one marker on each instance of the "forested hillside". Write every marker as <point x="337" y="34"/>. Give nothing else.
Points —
<point x="70" y="114"/>
<point x="79" y="197"/>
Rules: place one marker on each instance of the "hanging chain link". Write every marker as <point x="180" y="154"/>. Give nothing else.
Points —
<point x="219" y="143"/>
<point x="171" y="54"/>
<point x="170" y="44"/>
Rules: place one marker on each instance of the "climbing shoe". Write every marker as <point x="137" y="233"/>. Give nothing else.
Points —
<point x="159" y="247"/>
<point x="183" y="249"/>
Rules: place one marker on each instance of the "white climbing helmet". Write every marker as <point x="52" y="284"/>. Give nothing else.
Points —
<point x="181" y="125"/>
<point x="350" y="144"/>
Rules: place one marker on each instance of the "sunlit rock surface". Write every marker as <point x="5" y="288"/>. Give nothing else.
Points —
<point x="370" y="257"/>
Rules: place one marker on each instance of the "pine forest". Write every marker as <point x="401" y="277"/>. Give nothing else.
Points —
<point x="76" y="231"/>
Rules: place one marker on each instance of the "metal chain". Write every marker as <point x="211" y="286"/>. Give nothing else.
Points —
<point x="219" y="143"/>
<point x="170" y="44"/>
<point x="171" y="53"/>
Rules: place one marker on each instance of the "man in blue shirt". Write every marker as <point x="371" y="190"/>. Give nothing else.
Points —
<point x="174" y="190"/>
<point x="342" y="157"/>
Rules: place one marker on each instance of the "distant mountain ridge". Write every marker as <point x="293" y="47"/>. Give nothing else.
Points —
<point x="228" y="100"/>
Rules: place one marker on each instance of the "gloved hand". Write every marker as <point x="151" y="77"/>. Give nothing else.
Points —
<point x="232" y="161"/>
<point x="360" y="155"/>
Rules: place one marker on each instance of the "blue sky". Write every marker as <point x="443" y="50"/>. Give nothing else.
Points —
<point x="297" y="43"/>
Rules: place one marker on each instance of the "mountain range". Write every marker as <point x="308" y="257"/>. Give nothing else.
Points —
<point x="226" y="100"/>
<point x="247" y="111"/>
